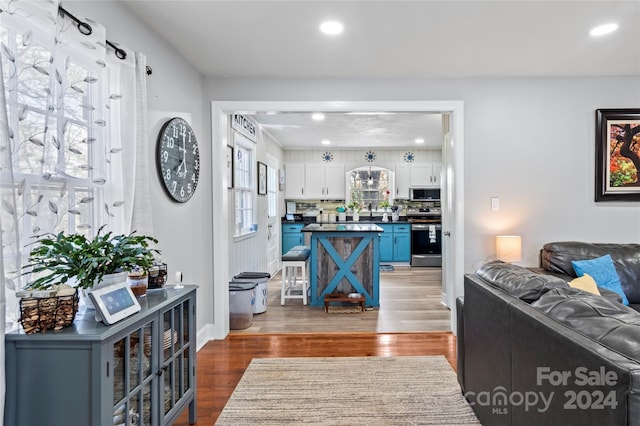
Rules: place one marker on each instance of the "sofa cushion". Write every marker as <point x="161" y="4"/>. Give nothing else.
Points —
<point x="518" y="281"/>
<point x="607" y="322"/>
<point x="556" y="257"/>
<point x="585" y="283"/>
<point x="603" y="272"/>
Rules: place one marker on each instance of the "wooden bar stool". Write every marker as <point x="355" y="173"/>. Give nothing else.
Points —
<point x="295" y="274"/>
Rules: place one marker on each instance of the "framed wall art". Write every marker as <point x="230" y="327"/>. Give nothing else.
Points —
<point x="262" y="178"/>
<point x="617" y="155"/>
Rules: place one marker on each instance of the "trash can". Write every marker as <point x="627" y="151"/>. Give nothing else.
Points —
<point x="260" y="279"/>
<point x="241" y="300"/>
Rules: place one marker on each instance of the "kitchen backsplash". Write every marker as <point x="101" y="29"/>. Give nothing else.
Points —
<point x="315" y="207"/>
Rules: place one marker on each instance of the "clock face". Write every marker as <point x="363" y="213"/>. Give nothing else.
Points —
<point x="178" y="159"/>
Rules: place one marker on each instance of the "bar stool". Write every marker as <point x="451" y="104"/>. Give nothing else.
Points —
<point x="294" y="269"/>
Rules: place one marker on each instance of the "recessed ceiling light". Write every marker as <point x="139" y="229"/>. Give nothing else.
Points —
<point x="603" y="30"/>
<point x="331" y="27"/>
<point x="419" y="140"/>
<point x="318" y="116"/>
<point x="326" y="142"/>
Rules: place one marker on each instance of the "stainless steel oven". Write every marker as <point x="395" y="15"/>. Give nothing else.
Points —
<point x="426" y="244"/>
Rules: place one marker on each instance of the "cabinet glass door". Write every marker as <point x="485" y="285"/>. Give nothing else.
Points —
<point x="176" y="360"/>
<point x="132" y="379"/>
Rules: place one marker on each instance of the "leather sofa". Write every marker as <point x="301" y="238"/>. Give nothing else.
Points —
<point x="533" y="351"/>
<point x="556" y="259"/>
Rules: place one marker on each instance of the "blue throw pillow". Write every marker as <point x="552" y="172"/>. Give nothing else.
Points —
<point x="603" y="272"/>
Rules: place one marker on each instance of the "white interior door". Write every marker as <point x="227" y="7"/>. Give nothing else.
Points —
<point x="448" y="276"/>
<point x="273" y="217"/>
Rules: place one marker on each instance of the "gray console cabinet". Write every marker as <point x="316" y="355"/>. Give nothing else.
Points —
<point x="139" y="371"/>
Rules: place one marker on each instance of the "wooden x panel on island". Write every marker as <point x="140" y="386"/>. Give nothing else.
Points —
<point x="344" y="259"/>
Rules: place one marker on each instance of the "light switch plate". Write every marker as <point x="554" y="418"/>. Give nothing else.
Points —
<point x="495" y="204"/>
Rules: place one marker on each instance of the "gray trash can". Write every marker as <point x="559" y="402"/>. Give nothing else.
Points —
<point x="241" y="301"/>
<point x="260" y="279"/>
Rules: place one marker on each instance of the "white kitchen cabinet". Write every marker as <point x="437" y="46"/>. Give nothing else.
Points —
<point x="335" y="182"/>
<point x="402" y="181"/>
<point x="294" y="181"/>
<point x="324" y="182"/>
<point x="427" y="174"/>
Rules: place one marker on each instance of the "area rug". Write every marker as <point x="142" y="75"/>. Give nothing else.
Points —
<point x="418" y="390"/>
<point x="387" y="268"/>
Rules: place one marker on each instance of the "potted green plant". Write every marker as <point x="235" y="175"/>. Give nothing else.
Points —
<point x="385" y="205"/>
<point x="60" y="258"/>
<point x="355" y="208"/>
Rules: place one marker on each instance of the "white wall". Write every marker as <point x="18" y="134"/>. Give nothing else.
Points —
<point x="352" y="158"/>
<point x="249" y="254"/>
<point x="529" y="141"/>
<point x="184" y="231"/>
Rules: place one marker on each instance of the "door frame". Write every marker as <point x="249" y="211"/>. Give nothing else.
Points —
<point x="220" y="111"/>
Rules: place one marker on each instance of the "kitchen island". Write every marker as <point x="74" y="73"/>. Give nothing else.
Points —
<point x="344" y="258"/>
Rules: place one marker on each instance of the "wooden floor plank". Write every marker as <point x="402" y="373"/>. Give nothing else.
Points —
<point x="410" y="301"/>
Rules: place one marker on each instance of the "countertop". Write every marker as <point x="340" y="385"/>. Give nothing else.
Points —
<point x="363" y="220"/>
<point x="342" y="227"/>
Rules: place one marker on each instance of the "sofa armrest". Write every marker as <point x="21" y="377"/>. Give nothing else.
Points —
<point x="460" y="341"/>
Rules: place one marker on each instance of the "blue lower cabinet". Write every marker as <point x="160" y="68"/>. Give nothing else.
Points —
<point x="402" y="247"/>
<point x="291" y="236"/>
<point x="386" y="247"/>
<point x="395" y="243"/>
<point x="386" y="243"/>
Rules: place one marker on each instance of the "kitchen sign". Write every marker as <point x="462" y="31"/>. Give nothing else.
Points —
<point x="244" y="125"/>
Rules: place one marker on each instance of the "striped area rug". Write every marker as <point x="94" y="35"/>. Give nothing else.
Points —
<point x="418" y="390"/>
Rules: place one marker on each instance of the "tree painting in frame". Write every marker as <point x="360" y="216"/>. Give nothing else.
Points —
<point x="617" y="155"/>
<point x="262" y="178"/>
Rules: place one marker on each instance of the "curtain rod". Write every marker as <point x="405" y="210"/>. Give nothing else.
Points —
<point x="86" y="29"/>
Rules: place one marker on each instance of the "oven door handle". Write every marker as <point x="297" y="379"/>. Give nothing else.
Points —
<point x="424" y="227"/>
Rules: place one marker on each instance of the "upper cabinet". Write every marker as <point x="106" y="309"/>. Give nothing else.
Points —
<point x="294" y="181"/>
<point x="403" y="180"/>
<point x="426" y="174"/>
<point x="315" y="181"/>
<point x="324" y="181"/>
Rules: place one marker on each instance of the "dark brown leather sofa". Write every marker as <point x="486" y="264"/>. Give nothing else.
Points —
<point x="533" y="351"/>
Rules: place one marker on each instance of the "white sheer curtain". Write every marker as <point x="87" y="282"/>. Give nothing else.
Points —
<point x="72" y="130"/>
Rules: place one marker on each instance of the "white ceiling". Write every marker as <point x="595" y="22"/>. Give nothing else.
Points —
<point x="393" y="39"/>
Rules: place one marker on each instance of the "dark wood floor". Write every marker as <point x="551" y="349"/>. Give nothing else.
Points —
<point x="221" y="363"/>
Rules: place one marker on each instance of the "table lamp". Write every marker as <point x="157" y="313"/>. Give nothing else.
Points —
<point x="509" y="248"/>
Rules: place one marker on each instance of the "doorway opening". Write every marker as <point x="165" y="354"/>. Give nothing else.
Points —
<point x="453" y="201"/>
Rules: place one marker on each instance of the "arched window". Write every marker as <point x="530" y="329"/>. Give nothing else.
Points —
<point x="370" y="185"/>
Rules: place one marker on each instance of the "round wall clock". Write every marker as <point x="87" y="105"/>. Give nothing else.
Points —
<point x="327" y="157"/>
<point x="409" y="157"/>
<point x="178" y="159"/>
<point x="370" y="156"/>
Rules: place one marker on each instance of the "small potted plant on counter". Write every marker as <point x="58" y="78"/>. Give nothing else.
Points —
<point x="58" y="259"/>
<point x="384" y="204"/>
<point x="356" y="208"/>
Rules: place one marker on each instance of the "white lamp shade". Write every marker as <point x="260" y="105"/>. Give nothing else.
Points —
<point x="509" y="248"/>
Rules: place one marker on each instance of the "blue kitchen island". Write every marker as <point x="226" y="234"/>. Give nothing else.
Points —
<point x="344" y="259"/>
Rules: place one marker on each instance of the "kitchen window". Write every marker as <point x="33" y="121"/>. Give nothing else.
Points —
<point x="245" y="191"/>
<point x="370" y="185"/>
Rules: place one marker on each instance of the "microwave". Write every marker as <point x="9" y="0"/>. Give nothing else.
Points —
<point x="424" y="194"/>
